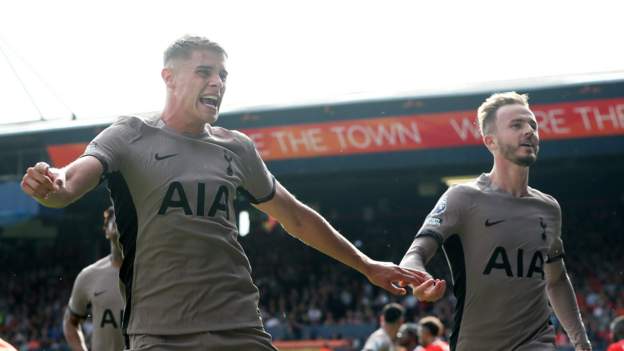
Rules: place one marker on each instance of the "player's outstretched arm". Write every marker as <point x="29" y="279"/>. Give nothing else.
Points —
<point x="420" y="252"/>
<point x="5" y="346"/>
<point x="310" y="227"/>
<point x="563" y="300"/>
<point x="73" y="333"/>
<point x="57" y="188"/>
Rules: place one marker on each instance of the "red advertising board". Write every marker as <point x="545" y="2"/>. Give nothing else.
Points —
<point x="569" y="120"/>
<point x="430" y="131"/>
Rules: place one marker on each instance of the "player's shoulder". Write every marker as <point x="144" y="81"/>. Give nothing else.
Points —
<point x="543" y="197"/>
<point x="96" y="267"/>
<point x="468" y="188"/>
<point x="233" y="134"/>
<point x="237" y="141"/>
<point x="130" y="126"/>
<point x="376" y="340"/>
<point x="463" y="192"/>
<point x="380" y="335"/>
<point x="136" y="121"/>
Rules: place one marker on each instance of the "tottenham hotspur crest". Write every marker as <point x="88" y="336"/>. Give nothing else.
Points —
<point x="434" y="219"/>
<point x="543" y="225"/>
<point x="229" y="161"/>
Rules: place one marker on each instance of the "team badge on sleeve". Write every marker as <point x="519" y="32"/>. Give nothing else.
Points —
<point x="440" y="207"/>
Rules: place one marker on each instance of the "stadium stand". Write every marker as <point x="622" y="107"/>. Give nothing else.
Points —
<point x="305" y="295"/>
<point x="377" y="197"/>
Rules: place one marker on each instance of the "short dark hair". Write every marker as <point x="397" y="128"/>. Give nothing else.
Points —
<point x="408" y="330"/>
<point x="184" y="47"/>
<point x="433" y="325"/>
<point x="617" y="328"/>
<point x="392" y="312"/>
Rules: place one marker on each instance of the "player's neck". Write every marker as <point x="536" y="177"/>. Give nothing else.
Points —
<point x="175" y="119"/>
<point x="510" y="178"/>
<point x="391" y="330"/>
<point x="115" y="256"/>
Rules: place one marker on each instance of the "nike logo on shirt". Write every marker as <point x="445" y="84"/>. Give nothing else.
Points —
<point x="489" y="224"/>
<point x="158" y="157"/>
<point x="98" y="293"/>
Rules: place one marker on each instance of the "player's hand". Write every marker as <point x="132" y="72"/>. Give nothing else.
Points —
<point x="430" y="290"/>
<point x="41" y="180"/>
<point x="392" y="277"/>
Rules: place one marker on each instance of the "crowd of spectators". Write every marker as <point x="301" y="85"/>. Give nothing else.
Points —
<point x="300" y="287"/>
<point x="31" y="309"/>
<point x="36" y="278"/>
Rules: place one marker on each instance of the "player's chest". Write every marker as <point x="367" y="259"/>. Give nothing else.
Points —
<point x="511" y="239"/>
<point x="161" y="165"/>
<point x="104" y="292"/>
<point x="106" y="301"/>
<point x="513" y="224"/>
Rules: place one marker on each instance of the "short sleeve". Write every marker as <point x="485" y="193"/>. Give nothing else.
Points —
<point x="258" y="183"/>
<point x="79" y="299"/>
<point x="110" y="145"/>
<point x="446" y="217"/>
<point x="556" y="251"/>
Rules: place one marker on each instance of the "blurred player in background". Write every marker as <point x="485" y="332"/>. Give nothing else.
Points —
<point x="98" y="286"/>
<point x="385" y="338"/>
<point x="407" y="337"/>
<point x="617" y="334"/>
<point x="503" y="242"/>
<point x="173" y="178"/>
<point x="430" y="332"/>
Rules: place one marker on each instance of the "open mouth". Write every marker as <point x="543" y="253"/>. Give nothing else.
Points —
<point x="209" y="101"/>
<point x="529" y="145"/>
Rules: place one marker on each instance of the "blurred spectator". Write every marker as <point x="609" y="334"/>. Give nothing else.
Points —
<point x="430" y="332"/>
<point x="407" y="337"/>
<point x="385" y="338"/>
<point x="617" y="334"/>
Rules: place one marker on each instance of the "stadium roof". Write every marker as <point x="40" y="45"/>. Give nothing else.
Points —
<point x="485" y="88"/>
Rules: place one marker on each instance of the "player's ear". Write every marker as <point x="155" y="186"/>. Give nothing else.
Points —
<point x="490" y="142"/>
<point x="167" y="76"/>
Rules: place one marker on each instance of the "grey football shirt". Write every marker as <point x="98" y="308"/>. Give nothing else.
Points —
<point x="97" y="285"/>
<point x="497" y="246"/>
<point x="184" y="270"/>
<point x="379" y="340"/>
